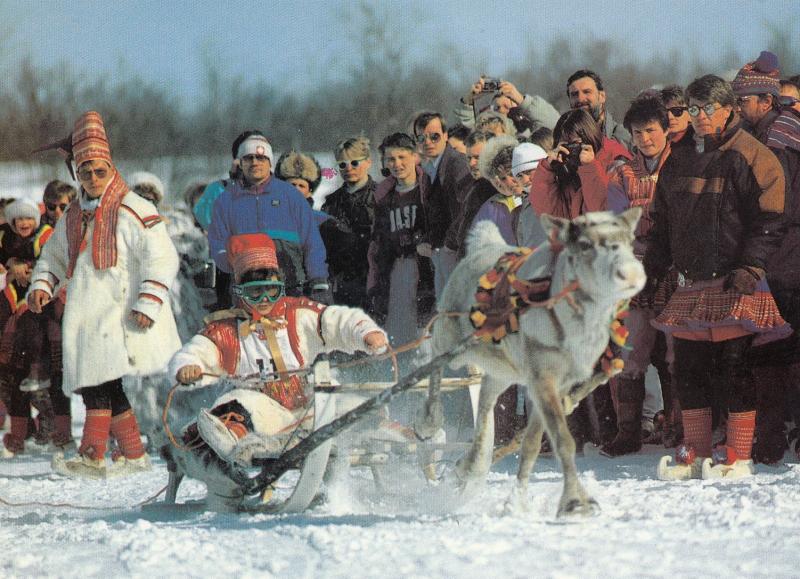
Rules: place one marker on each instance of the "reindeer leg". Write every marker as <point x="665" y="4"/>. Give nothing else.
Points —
<point x="433" y="418"/>
<point x="574" y="499"/>
<point x="531" y="445"/>
<point x="478" y="460"/>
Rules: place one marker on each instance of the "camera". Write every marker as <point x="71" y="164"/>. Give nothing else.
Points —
<point x="574" y="152"/>
<point x="491" y="84"/>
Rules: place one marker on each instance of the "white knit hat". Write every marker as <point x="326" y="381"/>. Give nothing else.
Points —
<point x="22" y="207"/>
<point x="526" y="156"/>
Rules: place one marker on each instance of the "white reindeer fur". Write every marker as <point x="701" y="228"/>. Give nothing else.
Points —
<point x="549" y="360"/>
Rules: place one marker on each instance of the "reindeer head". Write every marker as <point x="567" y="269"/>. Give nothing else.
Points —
<point x="598" y="252"/>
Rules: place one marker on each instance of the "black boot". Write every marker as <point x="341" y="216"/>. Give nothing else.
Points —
<point x="630" y="398"/>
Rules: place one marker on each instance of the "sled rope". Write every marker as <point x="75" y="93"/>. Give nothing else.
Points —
<point x="84" y="507"/>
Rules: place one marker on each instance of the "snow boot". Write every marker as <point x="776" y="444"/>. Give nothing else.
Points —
<point x="14" y="439"/>
<point x="630" y="398"/>
<point x="687" y="465"/>
<point x="80" y="466"/>
<point x="734" y="459"/>
<point x="125" y="429"/>
<point x="62" y="437"/>
<point x="697" y="446"/>
<point x="124" y="466"/>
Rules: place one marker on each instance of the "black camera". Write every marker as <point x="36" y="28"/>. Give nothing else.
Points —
<point x="491" y="84"/>
<point x="206" y="278"/>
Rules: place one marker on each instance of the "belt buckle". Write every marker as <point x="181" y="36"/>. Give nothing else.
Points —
<point x="684" y="281"/>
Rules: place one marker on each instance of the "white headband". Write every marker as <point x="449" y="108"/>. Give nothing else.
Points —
<point x="255" y="145"/>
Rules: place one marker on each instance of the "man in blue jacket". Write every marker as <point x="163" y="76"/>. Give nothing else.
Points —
<point x="261" y="203"/>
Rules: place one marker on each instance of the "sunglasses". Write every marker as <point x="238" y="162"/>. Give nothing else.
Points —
<point x="788" y="101"/>
<point x="709" y="109"/>
<point x="677" y="111"/>
<point x="354" y="163"/>
<point x="743" y="99"/>
<point x="253" y="158"/>
<point x="432" y="137"/>
<point x="86" y="174"/>
<point x="254" y="292"/>
<point x="53" y="206"/>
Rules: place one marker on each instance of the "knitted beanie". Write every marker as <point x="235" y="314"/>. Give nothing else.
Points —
<point x="759" y="77"/>
<point x="89" y="140"/>
<point x="251" y="251"/>
<point x="22" y="208"/>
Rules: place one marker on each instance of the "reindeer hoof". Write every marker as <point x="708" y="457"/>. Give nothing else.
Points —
<point x="579" y="508"/>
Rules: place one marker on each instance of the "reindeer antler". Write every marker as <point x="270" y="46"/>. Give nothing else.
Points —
<point x="64" y="147"/>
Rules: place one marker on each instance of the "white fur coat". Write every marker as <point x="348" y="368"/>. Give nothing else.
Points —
<point x="100" y="343"/>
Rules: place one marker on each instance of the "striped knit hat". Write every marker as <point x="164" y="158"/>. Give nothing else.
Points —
<point x="251" y="251"/>
<point x="759" y="77"/>
<point x="89" y="140"/>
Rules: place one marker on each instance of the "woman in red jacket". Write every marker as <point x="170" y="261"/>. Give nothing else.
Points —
<point x="574" y="178"/>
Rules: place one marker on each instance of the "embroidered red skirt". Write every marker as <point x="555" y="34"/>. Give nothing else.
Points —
<point x="705" y="311"/>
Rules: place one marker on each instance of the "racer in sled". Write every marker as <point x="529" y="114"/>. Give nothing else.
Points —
<point x="270" y="335"/>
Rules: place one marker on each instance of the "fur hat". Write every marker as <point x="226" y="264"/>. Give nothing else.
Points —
<point x="759" y="77"/>
<point x="89" y="140"/>
<point x="488" y="162"/>
<point x="526" y="157"/>
<point x="294" y="165"/>
<point x="144" y="178"/>
<point x="22" y="208"/>
<point x="251" y="251"/>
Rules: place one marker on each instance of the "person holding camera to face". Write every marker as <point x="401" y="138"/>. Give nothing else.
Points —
<point x="582" y="155"/>
<point x="502" y="97"/>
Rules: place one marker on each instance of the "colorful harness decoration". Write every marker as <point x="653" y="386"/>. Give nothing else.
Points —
<point x="502" y="297"/>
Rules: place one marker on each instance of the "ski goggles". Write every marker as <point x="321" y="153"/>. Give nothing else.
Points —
<point x="254" y="292"/>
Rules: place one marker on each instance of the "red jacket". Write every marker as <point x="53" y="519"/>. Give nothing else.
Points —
<point x="591" y="196"/>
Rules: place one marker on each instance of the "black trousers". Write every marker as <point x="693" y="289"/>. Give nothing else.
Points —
<point x="708" y="374"/>
<point x="106" y="396"/>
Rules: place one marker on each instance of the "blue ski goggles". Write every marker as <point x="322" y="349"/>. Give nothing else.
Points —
<point x="254" y="292"/>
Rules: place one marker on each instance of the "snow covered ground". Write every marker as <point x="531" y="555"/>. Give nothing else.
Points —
<point x="646" y="528"/>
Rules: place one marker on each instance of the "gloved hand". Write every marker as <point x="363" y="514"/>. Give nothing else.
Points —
<point x="743" y="279"/>
<point x="320" y="291"/>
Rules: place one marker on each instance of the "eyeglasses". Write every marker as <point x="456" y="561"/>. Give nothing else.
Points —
<point x="53" y="206"/>
<point x="86" y="174"/>
<point x="709" y="109"/>
<point x="787" y="101"/>
<point x="253" y="158"/>
<point x="677" y="111"/>
<point x="743" y="99"/>
<point x="254" y="292"/>
<point x="432" y="137"/>
<point x="354" y="163"/>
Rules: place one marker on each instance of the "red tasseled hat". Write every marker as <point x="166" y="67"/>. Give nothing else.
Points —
<point x="89" y="140"/>
<point x="251" y="251"/>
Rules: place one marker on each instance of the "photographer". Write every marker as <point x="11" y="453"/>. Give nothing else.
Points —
<point x="582" y="155"/>
<point x="503" y="97"/>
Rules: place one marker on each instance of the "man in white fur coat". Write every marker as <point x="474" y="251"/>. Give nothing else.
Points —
<point x="112" y="251"/>
<point x="271" y="335"/>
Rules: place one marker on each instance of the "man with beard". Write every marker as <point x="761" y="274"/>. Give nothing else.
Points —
<point x="585" y="91"/>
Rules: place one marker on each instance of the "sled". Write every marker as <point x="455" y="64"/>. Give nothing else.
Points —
<point x="291" y="482"/>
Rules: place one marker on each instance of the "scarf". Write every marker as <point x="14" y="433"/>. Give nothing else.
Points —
<point x="104" y="238"/>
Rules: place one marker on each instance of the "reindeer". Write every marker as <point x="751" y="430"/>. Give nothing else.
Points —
<point x="591" y="270"/>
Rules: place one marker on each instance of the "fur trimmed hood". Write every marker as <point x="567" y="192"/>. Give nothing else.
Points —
<point x="491" y="150"/>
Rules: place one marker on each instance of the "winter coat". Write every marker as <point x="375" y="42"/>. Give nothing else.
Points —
<point x="12" y="246"/>
<point x="617" y="131"/>
<point x="780" y="131"/>
<point x="546" y="196"/>
<point x="498" y="211"/>
<point x="382" y="253"/>
<point x="100" y="342"/>
<point x="480" y="191"/>
<point x="204" y="208"/>
<point x="541" y="113"/>
<point x="279" y="210"/>
<point x="717" y="210"/>
<point x="451" y="183"/>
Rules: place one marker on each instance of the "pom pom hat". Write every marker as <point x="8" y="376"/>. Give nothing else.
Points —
<point x="22" y="208"/>
<point x="759" y="77"/>
<point x="251" y="251"/>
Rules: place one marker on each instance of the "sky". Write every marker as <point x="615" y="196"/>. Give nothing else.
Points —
<point x="298" y="44"/>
